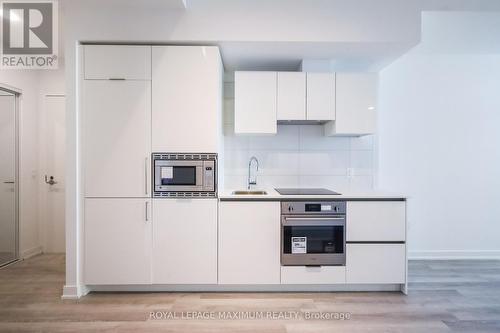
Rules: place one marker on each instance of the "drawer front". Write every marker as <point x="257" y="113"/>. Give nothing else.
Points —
<point x="312" y="275"/>
<point x="376" y="221"/>
<point x="376" y="263"/>
<point x="104" y="62"/>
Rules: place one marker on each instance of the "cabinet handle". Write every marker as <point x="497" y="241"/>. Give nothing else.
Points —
<point x="146" y="175"/>
<point x="147" y="211"/>
<point x="116" y="79"/>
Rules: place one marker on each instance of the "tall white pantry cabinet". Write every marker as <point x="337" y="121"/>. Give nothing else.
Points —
<point x="139" y="99"/>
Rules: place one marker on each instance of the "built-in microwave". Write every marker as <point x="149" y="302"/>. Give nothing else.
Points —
<point x="185" y="175"/>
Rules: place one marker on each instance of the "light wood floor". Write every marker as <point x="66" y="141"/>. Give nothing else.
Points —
<point x="444" y="296"/>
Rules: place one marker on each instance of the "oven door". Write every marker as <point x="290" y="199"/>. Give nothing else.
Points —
<point x="178" y="176"/>
<point x="312" y="240"/>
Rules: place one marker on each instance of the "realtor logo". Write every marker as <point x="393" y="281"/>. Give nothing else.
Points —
<point x="29" y="34"/>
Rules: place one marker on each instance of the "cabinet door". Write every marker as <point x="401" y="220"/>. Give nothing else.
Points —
<point x="291" y="96"/>
<point x="255" y="103"/>
<point x="117" y="138"/>
<point x="187" y="98"/>
<point x="117" y="241"/>
<point x="356" y="103"/>
<point x="249" y="242"/>
<point x="312" y="275"/>
<point x="376" y="221"/>
<point x="185" y="241"/>
<point x="375" y="263"/>
<point x="320" y="96"/>
<point x="117" y="62"/>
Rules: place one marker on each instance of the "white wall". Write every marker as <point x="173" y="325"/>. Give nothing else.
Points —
<point x="298" y="156"/>
<point x="439" y="133"/>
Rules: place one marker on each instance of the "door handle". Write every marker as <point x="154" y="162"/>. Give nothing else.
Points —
<point x="146" y="165"/>
<point x="50" y="180"/>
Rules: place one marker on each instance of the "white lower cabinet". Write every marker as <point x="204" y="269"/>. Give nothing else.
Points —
<point x="117" y="241"/>
<point x="376" y="263"/>
<point x="312" y="275"/>
<point x="376" y="221"/>
<point x="249" y="242"/>
<point x="185" y="241"/>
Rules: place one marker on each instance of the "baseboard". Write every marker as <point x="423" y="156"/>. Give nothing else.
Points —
<point x="31" y="252"/>
<point x="453" y="255"/>
<point x="245" y="288"/>
<point x="72" y="292"/>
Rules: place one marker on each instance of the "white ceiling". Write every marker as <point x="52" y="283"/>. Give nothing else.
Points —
<point x="274" y="34"/>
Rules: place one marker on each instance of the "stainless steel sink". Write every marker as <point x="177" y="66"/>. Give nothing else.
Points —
<point x="249" y="192"/>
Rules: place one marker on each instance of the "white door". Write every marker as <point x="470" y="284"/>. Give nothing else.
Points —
<point x="8" y="188"/>
<point x="356" y="102"/>
<point x="185" y="241"/>
<point x="249" y="242"/>
<point x="291" y="96"/>
<point x="117" y="241"/>
<point x="117" y="138"/>
<point x="255" y="106"/>
<point x="53" y="175"/>
<point x="187" y="98"/>
<point x="320" y="96"/>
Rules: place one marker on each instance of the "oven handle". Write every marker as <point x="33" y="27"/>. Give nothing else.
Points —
<point x="320" y="221"/>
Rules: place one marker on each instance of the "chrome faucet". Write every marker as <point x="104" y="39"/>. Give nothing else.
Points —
<point x="254" y="181"/>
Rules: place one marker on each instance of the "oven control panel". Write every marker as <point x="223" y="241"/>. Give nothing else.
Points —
<point x="316" y="207"/>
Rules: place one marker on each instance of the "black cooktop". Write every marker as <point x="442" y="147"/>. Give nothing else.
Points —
<point x="305" y="191"/>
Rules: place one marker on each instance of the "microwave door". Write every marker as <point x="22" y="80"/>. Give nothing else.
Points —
<point x="179" y="176"/>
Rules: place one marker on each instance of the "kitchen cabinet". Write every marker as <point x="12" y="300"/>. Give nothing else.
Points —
<point x="249" y="242"/>
<point x="312" y="274"/>
<point x="376" y="221"/>
<point x="103" y="62"/>
<point x="117" y="241"/>
<point x="291" y="96"/>
<point x="187" y="99"/>
<point x="117" y="138"/>
<point x="185" y="241"/>
<point x="376" y="263"/>
<point x="320" y="96"/>
<point x="356" y="101"/>
<point x="255" y="99"/>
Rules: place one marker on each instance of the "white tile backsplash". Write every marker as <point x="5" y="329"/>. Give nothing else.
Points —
<point x="298" y="156"/>
<point x="362" y="162"/>
<point x="317" y="163"/>
<point x="312" y="138"/>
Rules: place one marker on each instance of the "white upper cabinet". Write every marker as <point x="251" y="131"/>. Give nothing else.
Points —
<point x="187" y="98"/>
<point x="321" y="96"/>
<point x="356" y="104"/>
<point x="185" y="241"/>
<point x="131" y="62"/>
<point x="117" y="138"/>
<point x="255" y="102"/>
<point x="291" y="96"/>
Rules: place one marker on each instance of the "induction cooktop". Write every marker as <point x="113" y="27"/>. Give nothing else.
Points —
<point x="305" y="191"/>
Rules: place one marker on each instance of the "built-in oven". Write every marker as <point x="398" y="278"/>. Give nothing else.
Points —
<point x="185" y="175"/>
<point x="313" y="233"/>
